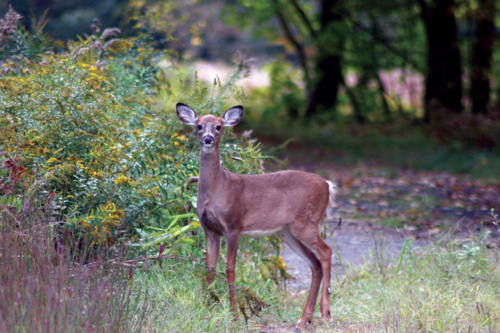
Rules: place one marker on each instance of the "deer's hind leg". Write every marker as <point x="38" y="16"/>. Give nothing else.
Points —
<point x="311" y="239"/>
<point x="316" y="269"/>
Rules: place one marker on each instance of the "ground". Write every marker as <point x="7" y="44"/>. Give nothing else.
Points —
<point x="379" y="208"/>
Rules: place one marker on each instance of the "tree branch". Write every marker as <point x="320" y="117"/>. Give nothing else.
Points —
<point x="386" y="44"/>
<point x="298" y="47"/>
<point x="304" y="19"/>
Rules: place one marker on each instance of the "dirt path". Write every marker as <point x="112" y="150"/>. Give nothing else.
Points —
<point x="356" y="245"/>
<point x="380" y="208"/>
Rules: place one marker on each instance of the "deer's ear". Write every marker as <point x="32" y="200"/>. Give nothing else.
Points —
<point x="232" y="116"/>
<point x="186" y="114"/>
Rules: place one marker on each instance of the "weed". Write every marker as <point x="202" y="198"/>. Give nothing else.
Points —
<point x="45" y="289"/>
<point x="440" y="288"/>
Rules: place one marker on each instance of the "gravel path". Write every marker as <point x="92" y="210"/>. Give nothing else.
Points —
<point x="357" y="243"/>
<point x="380" y="209"/>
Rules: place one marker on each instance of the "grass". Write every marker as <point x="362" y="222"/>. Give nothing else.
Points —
<point x="448" y="286"/>
<point x="179" y="300"/>
<point x="183" y="303"/>
<point x="444" y="288"/>
<point x="44" y="289"/>
<point x="391" y="146"/>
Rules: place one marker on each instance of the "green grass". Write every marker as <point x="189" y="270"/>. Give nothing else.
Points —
<point x="183" y="303"/>
<point x="384" y="146"/>
<point x="179" y="301"/>
<point x="445" y="287"/>
<point x="442" y="288"/>
<point x="448" y="286"/>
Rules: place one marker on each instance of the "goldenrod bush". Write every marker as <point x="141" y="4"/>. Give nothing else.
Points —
<point x="92" y="132"/>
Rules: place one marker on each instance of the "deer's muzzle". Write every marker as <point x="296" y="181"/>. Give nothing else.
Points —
<point x="207" y="140"/>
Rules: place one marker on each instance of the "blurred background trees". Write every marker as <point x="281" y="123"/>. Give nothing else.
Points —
<point x="359" y="61"/>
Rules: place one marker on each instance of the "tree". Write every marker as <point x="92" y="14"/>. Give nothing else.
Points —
<point x="328" y="74"/>
<point x="308" y="28"/>
<point x="482" y="48"/>
<point x="443" y="82"/>
<point x="69" y="18"/>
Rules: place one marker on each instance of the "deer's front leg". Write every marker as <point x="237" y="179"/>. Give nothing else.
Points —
<point x="232" y="250"/>
<point x="213" y="246"/>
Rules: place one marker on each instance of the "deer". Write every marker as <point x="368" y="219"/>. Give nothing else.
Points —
<point x="289" y="203"/>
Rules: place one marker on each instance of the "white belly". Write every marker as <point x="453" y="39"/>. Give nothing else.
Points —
<point x="260" y="233"/>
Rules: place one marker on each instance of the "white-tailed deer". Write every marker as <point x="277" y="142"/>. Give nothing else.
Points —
<point x="290" y="204"/>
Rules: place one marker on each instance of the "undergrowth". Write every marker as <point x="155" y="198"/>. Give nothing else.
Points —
<point x="183" y="303"/>
<point x="448" y="286"/>
<point x="93" y="167"/>
<point x="94" y="129"/>
<point x="389" y="146"/>
<point x="47" y="289"/>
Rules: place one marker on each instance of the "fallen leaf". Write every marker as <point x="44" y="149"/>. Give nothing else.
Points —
<point x="434" y="231"/>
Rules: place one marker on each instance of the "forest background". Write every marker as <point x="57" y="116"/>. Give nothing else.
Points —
<point x="94" y="162"/>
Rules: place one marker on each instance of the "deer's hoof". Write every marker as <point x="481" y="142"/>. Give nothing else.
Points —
<point x="303" y="323"/>
<point x="326" y="314"/>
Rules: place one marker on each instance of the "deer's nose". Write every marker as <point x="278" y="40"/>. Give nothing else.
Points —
<point x="208" y="139"/>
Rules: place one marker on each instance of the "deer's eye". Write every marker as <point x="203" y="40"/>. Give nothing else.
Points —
<point x="218" y="127"/>
<point x="200" y="127"/>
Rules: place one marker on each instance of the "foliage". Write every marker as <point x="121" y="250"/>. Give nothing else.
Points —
<point x="89" y="135"/>
<point x="85" y="129"/>
<point x="68" y="19"/>
<point x="283" y="99"/>
<point x="15" y="40"/>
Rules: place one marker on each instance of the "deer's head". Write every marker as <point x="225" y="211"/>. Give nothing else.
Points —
<point x="209" y="127"/>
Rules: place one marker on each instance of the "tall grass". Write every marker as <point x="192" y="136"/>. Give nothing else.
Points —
<point x="450" y="286"/>
<point x="181" y="301"/>
<point x="45" y="289"/>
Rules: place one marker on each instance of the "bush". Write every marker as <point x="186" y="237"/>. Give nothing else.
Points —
<point x="94" y="130"/>
<point x="92" y="152"/>
<point x="283" y="100"/>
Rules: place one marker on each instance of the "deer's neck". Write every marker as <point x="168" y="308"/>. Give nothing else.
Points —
<point x="210" y="171"/>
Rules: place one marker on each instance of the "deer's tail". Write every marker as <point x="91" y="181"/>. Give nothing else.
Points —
<point x="332" y="191"/>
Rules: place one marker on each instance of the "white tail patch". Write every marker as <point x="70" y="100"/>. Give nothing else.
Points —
<point x="332" y="191"/>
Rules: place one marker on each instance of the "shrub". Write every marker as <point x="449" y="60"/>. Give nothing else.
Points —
<point x="94" y="129"/>
<point x="90" y="136"/>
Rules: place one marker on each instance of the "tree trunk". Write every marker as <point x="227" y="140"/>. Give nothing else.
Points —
<point x="328" y="75"/>
<point x="383" y="94"/>
<point x="443" y="82"/>
<point x="481" y="56"/>
<point x="360" y="118"/>
<point x="301" y="54"/>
